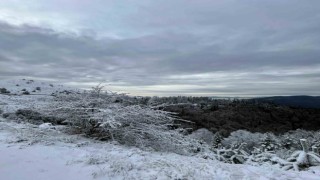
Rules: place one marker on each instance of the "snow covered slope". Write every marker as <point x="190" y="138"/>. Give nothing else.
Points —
<point x="33" y="87"/>
<point x="28" y="152"/>
<point x="39" y="93"/>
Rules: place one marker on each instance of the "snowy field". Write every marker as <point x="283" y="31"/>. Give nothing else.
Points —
<point x="31" y="152"/>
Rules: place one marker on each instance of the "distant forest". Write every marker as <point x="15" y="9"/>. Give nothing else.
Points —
<point x="255" y="115"/>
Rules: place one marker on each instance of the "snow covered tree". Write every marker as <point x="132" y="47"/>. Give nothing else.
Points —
<point x="242" y="136"/>
<point x="217" y="139"/>
<point x="269" y="143"/>
<point x="96" y="114"/>
<point x="287" y="142"/>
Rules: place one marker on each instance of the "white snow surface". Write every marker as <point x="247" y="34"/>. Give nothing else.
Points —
<point x="31" y="152"/>
<point x="45" y="126"/>
<point x="10" y="103"/>
<point x="28" y="152"/>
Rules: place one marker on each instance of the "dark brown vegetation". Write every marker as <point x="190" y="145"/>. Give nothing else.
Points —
<point x="4" y="91"/>
<point x="253" y="117"/>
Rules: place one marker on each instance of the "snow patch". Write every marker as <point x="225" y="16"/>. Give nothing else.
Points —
<point x="46" y="126"/>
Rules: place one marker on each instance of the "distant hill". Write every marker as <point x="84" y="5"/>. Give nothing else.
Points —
<point x="32" y="87"/>
<point x="293" y="101"/>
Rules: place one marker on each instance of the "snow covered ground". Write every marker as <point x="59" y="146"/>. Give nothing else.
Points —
<point x="31" y="152"/>
<point x="10" y="103"/>
<point x="18" y="86"/>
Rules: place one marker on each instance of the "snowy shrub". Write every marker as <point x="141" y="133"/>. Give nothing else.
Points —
<point x="232" y="155"/>
<point x="288" y="142"/>
<point x="284" y="153"/>
<point x="96" y="160"/>
<point x="4" y="91"/>
<point x="263" y="157"/>
<point x="203" y="135"/>
<point x="35" y="117"/>
<point x="243" y="136"/>
<point x="291" y="139"/>
<point x="217" y="139"/>
<point x="269" y="142"/>
<point x="302" y="159"/>
<point x="25" y="93"/>
<point x="298" y="160"/>
<point x="96" y="114"/>
<point x="9" y="115"/>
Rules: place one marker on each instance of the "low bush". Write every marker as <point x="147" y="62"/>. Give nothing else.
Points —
<point x="25" y="93"/>
<point x="34" y="117"/>
<point x="98" y="115"/>
<point x="4" y="91"/>
<point x="241" y="136"/>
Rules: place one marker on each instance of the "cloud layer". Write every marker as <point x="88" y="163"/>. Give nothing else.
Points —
<point x="224" y="48"/>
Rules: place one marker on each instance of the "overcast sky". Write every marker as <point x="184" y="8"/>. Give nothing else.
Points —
<point x="165" y="47"/>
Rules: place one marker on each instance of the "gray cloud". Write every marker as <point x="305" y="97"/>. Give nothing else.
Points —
<point x="170" y="47"/>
